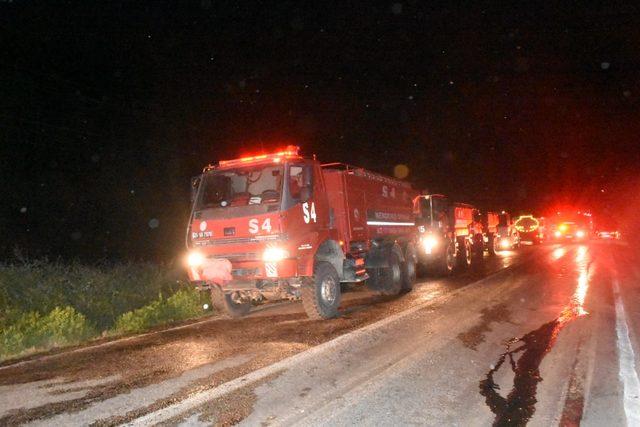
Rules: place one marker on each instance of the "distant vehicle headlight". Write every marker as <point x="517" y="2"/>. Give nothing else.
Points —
<point x="580" y="234"/>
<point x="429" y="243"/>
<point x="505" y="243"/>
<point x="274" y="254"/>
<point x="558" y="233"/>
<point x="195" y="259"/>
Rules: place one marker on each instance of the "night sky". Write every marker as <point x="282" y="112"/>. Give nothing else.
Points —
<point x="107" y="109"/>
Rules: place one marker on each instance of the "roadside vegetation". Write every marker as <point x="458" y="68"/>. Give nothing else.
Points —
<point x="50" y="304"/>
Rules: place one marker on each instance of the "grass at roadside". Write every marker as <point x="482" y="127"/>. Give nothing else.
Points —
<point x="45" y="304"/>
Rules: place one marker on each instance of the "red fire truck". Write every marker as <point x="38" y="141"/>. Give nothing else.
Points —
<point x="282" y="226"/>
<point x="448" y="232"/>
<point x="507" y="235"/>
<point x="490" y="222"/>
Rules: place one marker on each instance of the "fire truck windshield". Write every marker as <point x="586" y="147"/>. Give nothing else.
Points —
<point x="249" y="186"/>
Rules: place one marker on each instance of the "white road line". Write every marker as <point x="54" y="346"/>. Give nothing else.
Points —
<point x="628" y="374"/>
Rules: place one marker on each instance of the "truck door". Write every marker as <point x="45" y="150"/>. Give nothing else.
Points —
<point x="302" y="192"/>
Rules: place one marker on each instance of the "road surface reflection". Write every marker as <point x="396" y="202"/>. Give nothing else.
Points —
<point x="519" y="405"/>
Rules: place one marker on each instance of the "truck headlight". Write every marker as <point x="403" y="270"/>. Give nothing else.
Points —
<point x="274" y="254"/>
<point x="428" y="243"/>
<point x="195" y="259"/>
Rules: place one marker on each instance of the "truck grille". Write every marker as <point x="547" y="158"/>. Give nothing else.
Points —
<point x="239" y="256"/>
<point x="238" y="240"/>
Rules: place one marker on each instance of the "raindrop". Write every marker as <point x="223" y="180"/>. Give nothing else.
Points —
<point x="154" y="223"/>
<point x="205" y="306"/>
<point x="23" y="209"/>
<point x="626" y="93"/>
<point x="76" y="235"/>
<point x="396" y="8"/>
<point x="95" y="158"/>
<point x="605" y="65"/>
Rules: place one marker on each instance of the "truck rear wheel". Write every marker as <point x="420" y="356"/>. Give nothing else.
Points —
<point x="392" y="277"/>
<point x="386" y="280"/>
<point x="492" y="244"/>
<point x="321" y="297"/>
<point x="409" y="269"/>
<point x="231" y="303"/>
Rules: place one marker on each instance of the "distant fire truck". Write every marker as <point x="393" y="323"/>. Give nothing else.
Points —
<point x="449" y="233"/>
<point x="490" y="223"/>
<point x="572" y="225"/>
<point x="282" y="226"/>
<point x="507" y="234"/>
<point x="530" y="229"/>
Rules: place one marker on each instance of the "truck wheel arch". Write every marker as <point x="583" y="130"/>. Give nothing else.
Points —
<point x="331" y="252"/>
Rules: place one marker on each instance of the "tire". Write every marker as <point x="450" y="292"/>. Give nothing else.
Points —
<point x="225" y="302"/>
<point x="446" y="264"/>
<point x="477" y="250"/>
<point x="321" y="297"/>
<point x="491" y="244"/>
<point x="387" y="280"/>
<point x="392" y="277"/>
<point x="409" y="269"/>
<point x="463" y="254"/>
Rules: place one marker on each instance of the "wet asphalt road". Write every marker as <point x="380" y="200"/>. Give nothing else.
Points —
<point x="541" y="336"/>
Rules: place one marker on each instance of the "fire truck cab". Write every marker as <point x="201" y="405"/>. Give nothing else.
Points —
<point x="279" y="226"/>
<point x="448" y="232"/>
<point x="490" y="223"/>
<point x="508" y="237"/>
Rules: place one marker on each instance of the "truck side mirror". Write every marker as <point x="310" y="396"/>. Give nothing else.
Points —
<point x="195" y="183"/>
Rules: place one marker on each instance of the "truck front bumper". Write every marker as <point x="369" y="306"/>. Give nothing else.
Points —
<point x="245" y="273"/>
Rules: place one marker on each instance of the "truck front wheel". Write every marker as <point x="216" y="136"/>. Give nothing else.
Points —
<point x="231" y="303"/>
<point x="463" y="254"/>
<point x="321" y="297"/>
<point x="447" y="262"/>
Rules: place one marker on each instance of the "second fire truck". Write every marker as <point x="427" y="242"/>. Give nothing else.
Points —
<point x="450" y="233"/>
